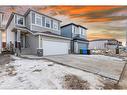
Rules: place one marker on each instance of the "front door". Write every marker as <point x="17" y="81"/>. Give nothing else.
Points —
<point x="23" y="41"/>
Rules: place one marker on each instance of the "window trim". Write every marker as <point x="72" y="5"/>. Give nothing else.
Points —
<point x="44" y="22"/>
<point x="57" y="23"/>
<point x="40" y="17"/>
<point x="82" y="31"/>
<point x="49" y="23"/>
<point x="17" y="18"/>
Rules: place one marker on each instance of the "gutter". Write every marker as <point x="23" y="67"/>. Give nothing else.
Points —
<point x="52" y="36"/>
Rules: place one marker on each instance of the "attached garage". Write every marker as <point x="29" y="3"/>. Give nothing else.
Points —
<point x="79" y="43"/>
<point x="53" y="45"/>
<point x="54" y="48"/>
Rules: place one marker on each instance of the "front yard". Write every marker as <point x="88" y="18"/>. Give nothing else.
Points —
<point x="23" y="73"/>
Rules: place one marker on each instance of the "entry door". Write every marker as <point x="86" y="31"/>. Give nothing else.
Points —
<point x="54" y="48"/>
<point x="23" y="41"/>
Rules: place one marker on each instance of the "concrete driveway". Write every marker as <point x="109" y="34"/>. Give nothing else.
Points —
<point x="109" y="67"/>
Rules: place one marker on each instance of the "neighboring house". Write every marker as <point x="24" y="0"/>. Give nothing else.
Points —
<point x="36" y="33"/>
<point x="1" y="31"/>
<point x="78" y="35"/>
<point x="104" y="44"/>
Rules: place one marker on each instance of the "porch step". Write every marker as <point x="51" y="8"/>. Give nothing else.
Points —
<point x="26" y="51"/>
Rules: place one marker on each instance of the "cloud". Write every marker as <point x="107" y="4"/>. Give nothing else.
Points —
<point x="101" y="21"/>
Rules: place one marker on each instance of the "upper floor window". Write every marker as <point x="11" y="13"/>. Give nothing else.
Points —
<point x="48" y="22"/>
<point x="74" y="30"/>
<point x="38" y="20"/>
<point x="19" y="20"/>
<point x="82" y="31"/>
<point x="43" y="21"/>
<point x="33" y="18"/>
<point x="55" y="25"/>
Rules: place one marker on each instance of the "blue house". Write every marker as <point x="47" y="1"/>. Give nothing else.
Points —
<point x="78" y="36"/>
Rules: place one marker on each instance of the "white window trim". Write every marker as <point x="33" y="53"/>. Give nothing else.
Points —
<point x="18" y="17"/>
<point x="50" y="22"/>
<point x="40" y="17"/>
<point x="56" y="22"/>
<point x="82" y="32"/>
<point x="44" y="22"/>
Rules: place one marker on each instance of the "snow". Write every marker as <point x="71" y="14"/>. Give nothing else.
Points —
<point x="41" y="74"/>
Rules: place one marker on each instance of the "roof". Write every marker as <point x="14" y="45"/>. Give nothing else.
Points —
<point x="102" y="39"/>
<point x="27" y="12"/>
<point x="81" y="39"/>
<point x="10" y="19"/>
<point x="50" y="34"/>
<point x="46" y="33"/>
<point x="75" y="25"/>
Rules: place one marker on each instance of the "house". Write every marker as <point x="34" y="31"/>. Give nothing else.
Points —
<point x="36" y="33"/>
<point x="104" y="44"/>
<point x="78" y="36"/>
<point x="1" y="31"/>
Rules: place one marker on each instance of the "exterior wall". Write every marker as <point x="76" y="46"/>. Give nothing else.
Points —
<point x="1" y="18"/>
<point x="28" y="21"/>
<point x="41" y="28"/>
<point x="72" y="31"/>
<point x="0" y="42"/>
<point x="97" y="44"/>
<point x="33" y="43"/>
<point x="10" y="35"/>
<point x="67" y="31"/>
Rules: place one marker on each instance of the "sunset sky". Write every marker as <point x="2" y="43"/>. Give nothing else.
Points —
<point x="101" y="21"/>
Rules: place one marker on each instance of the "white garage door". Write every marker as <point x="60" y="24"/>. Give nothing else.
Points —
<point x="54" y="48"/>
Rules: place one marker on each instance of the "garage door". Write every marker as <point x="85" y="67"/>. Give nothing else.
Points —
<point x="54" y="48"/>
<point x="82" y="45"/>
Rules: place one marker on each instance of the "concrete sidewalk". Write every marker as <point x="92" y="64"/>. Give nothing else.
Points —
<point x="106" y="66"/>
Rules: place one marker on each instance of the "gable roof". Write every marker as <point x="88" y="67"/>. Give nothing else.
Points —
<point x="29" y="10"/>
<point x="25" y="14"/>
<point x="75" y="25"/>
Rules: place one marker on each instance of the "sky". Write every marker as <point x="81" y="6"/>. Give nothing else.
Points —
<point x="101" y="21"/>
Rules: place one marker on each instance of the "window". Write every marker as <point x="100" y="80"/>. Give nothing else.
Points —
<point x="74" y="30"/>
<point x="43" y="21"/>
<point x="38" y="19"/>
<point x="19" y="20"/>
<point x="48" y="22"/>
<point x="55" y="25"/>
<point x="33" y="18"/>
<point x="82" y="32"/>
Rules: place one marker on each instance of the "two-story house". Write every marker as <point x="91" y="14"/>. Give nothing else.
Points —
<point x="1" y="30"/>
<point x="77" y="33"/>
<point x="36" y="33"/>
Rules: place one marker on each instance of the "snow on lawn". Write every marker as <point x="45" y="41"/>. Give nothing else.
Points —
<point x="41" y="74"/>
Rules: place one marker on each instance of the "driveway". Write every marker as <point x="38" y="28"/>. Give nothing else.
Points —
<point x="105" y="66"/>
